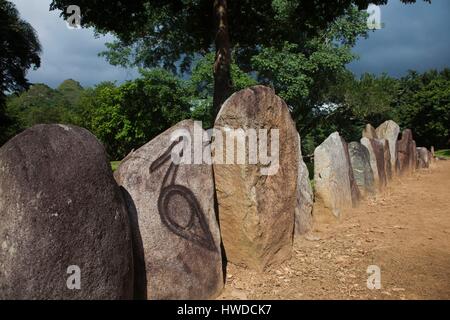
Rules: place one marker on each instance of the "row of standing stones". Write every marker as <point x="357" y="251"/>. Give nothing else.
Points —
<point x="157" y="230"/>
<point x="344" y="174"/>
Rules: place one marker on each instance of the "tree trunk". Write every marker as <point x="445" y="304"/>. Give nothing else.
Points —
<point x="222" y="75"/>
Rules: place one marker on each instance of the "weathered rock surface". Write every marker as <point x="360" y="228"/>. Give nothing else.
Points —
<point x="305" y="197"/>
<point x="430" y="157"/>
<point x="176" y="238"/>
<point x="423" y="158"/>
<point x="356" y="194"/>
<point x="362" y="171"/>
<point x="257" y="201"/>
<point x="406" y="152"/>
<point x="390" y="130"/>
<point x="60" y="207"/>
<point x="376" y="152"/>
<point x="369" y="132"/>
<point x="331" y="175"/>
<point x="387" y="159"/>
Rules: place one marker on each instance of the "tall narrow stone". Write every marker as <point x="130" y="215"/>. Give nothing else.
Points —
<point x="356" y="194"/>
<point x="305" y="197"/>
<point x="331" y="175"/>
<point x="387" y="159"/>
<point x="257" y="201"/>
<point x="406" y="152"/>
<point x="362" y="171"/>
<point x="390" y="130"/>
<point x="376" y="152"/>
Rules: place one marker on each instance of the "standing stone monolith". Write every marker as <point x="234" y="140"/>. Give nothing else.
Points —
<point x="430" y="157"/>
<point x="390" y="130"/>
<point x="362" y="171"/>
<point x="356" y="194"/>
<point x="415" y="155"/>
<point x="406" y="152"/>
<point x="176" y="237"/>
<point x="369" y="132"/>
<point x="257" y="199"/>
<point x="376" y="152"/>
<point x="305" y="197"/>
<point x="331" y="176"/>
<point x="387" y="159"/>
<point x="423" y="158"/>
<point x="64" y="228"/>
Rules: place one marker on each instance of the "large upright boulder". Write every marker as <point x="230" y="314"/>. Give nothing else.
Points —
<point x="176" y="238"/>
<point x="390" y="130"/>
<point x="64" y="229"/>
<point x="257" y="201"/>
<point x="362" y="171"/>
<point x="331" y="175"/>
<point x="406" y="152"/>
<point x="376" y="152"/>
<point x="305" y="197"/>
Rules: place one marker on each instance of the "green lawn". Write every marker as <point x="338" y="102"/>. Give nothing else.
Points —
<point x="114" y="165"/>
<point x="443" y="153"/>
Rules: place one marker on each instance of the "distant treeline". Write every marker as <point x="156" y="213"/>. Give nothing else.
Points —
<point x="126" y="116"/>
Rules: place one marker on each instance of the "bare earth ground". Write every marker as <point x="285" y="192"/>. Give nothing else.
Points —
<point x="405" y="231"/>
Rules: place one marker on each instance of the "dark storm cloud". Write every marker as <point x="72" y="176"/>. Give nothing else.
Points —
<point x="67" y="53"/>
<point x="414" y="37"/>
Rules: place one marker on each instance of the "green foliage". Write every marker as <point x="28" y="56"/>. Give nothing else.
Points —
<point x="423" y="104"/>
<point x="443" y="153"/>
<point x="304" y="74"/>
<point x="20" y="51"/>
<point x="42" y="104"/>
<point x="128" y="116"/>
<point x="115" y="165"/>
<point x="416" y="101"/>
<point x="202" y="84"/>
<point x="171" y="34"/>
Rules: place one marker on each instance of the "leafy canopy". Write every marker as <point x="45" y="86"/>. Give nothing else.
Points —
<point x="170" y="34"/>
<point x="19" y="51"/>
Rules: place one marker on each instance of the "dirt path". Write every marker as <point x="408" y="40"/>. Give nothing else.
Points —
<point x="405" y="231"/>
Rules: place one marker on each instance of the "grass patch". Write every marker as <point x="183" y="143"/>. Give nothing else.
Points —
<point x="443" y="153"/>
<point x="114" y="165"/>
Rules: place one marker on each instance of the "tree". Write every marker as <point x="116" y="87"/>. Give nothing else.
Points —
<point x="128" y="116"/>
<point x="42" y="104"/>
<point x="422" y="102"/>
<point x="202" y="86"/>
<point x="304" y="75"/>
<point x="172" y="33"/>
<point x="20" y="51"/>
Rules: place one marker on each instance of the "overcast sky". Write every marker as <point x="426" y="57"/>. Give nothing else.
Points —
<point x="413" y="37"/>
